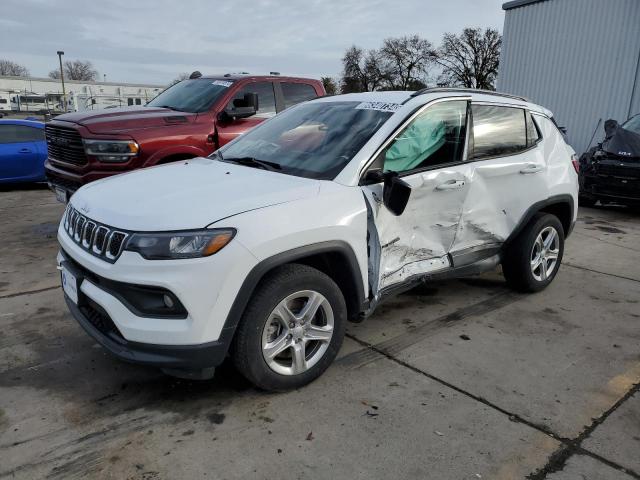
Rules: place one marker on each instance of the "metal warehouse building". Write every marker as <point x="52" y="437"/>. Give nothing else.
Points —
<point x="579" y="58"/>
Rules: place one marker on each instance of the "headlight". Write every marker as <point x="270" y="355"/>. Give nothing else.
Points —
<point x="174" y="245"/>
<point x="111" y="150"/>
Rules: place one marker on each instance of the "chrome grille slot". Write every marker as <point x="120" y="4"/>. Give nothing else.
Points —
<point x="99" y="240"/>
<point x="65" y="144"/>
<point x="87" y="236"/>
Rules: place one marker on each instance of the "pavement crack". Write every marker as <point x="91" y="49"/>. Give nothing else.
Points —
<point x="29" y="292"/>
<point x="514" y="417"/>
<point x="558" y="459"/>
<point x="600" y="272"/>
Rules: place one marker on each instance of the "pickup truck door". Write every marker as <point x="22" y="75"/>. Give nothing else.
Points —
<point x="229" y="130"/>
<point x="428" y="153"/>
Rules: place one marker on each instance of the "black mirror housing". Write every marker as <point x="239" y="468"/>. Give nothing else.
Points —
<point x="245" y="107"/>
<point x="395" y="193"/>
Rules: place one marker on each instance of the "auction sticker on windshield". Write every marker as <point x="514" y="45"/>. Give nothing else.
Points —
<point x="382" y="106"/>
<point x="222" y="83"/>
<point x="69" y="284"/>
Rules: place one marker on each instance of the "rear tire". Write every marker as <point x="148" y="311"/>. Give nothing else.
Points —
<point x="291" y="330"/>
<point x="533" y="259"/>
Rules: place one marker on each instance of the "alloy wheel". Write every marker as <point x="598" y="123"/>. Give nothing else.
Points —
<point x="297" y="333"/>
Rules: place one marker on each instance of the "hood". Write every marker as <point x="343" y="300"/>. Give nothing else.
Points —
<point x="185" y="195"/>
<point x="120" y="120"/>
<point x="622" y="142"/>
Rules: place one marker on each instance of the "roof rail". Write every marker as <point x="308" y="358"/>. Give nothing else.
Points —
<point x="467" y="90"/>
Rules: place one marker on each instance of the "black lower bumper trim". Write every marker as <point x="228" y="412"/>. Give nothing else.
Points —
<point x="184" y="357"/>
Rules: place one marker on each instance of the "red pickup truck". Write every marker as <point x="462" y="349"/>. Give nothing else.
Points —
<point x="192" y="118"/>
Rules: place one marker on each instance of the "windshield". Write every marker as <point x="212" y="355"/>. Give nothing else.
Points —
<point x="193" y="96"/>
<point x="633" y="124"/>
<point x="314" y="140"/>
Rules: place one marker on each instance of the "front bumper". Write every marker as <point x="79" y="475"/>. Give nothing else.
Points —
<point x="205" y="287"/>
<point x="173" y="357"/>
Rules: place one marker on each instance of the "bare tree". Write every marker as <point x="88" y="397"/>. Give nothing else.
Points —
<point x="76" y="70"/>
<point x="12" y="69"/>
<point x="330" y="85"/>
<point x="470" y="59"/>
<point x="361" y="71"/>
<point x="405" y="61"/>
<point x="179" y="78"/>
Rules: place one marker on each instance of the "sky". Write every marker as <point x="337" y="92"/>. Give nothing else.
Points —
<point x="153" y="41"/>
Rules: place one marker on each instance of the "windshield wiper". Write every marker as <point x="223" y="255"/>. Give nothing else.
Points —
<point x="254" y="162"/>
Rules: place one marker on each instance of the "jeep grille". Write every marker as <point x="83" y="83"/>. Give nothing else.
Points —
<point x="98" y="239"/>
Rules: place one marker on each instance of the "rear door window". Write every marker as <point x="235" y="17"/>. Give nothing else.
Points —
<point x="295" y="93"/>
<point x="266" y="98"/>
<point x="532" y="131"/>
<point x="498" y="131"/>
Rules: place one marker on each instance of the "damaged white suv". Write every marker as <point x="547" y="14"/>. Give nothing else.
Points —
<point x="264" y="250"/>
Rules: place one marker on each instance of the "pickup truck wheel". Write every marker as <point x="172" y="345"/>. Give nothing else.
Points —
<point x="291" y="330"/>
<point x="533" y="259"/>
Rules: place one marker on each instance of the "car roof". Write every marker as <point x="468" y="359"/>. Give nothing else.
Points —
<point x="17" y="121"/>
<point x="244" y="76"/>
<point x="415" y="99"/>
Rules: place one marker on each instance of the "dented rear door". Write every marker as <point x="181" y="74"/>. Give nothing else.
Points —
<point x="428" y="153"/>
<point x="506" y="173"/>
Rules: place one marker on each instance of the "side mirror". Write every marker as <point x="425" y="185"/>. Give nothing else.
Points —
<point x="395" y="193"/>
<point x="244" y="107"/>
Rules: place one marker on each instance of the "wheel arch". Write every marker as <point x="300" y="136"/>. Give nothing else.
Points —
<point x="334" y="258"/>
<point x="562" y="206"/>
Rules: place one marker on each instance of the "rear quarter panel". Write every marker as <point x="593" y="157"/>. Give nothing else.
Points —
<point x="561" y="176"/>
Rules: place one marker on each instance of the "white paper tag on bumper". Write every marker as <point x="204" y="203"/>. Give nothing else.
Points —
<point x="382" y="106"/>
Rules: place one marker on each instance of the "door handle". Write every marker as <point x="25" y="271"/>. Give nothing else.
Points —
<point x="531" y="168"/>
<point x="25" y="150"/>
<point x="451" y="185"/>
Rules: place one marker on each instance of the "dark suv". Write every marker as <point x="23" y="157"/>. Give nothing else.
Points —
<point x="610" y="171"/>
<point x="190" y="119"/>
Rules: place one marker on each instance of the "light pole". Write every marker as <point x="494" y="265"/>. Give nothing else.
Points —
<point x="64" y="95"/>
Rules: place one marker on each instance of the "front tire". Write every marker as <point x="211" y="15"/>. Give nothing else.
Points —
<point x="291" y="330"/>
<point x="533" y="259"/>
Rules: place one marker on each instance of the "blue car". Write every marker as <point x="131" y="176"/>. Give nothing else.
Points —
<point x="23" y="150"/>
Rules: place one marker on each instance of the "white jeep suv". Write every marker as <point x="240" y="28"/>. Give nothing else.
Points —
<point x="265" y="249"/>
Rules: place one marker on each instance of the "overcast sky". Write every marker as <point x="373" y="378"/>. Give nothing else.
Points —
<point x="155" y="40"/>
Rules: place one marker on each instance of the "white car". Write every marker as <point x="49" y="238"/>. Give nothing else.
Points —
<point x="265" y="250"/>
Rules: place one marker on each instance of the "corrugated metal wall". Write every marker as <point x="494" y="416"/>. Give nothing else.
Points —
<point x="579" y="58"/>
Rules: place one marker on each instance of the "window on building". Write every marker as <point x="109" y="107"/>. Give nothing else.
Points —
<point x="498" y="131"/>
<point x="129" y="101"/>
<point x="138" y="101"/>
<point x="295" y="93"/>
<point x="3" y="100"/>
<point x="266" y="97"/>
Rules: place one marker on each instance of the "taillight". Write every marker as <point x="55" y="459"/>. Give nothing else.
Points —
<point x="575" y="162"/>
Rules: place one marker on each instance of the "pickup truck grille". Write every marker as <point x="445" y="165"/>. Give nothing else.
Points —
<point x="65" y="145"/>
<point x="98" y="239"/>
